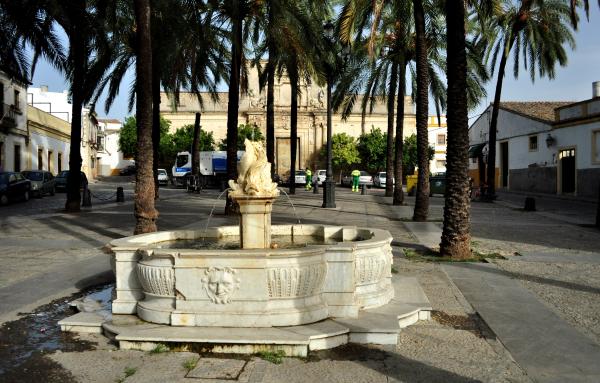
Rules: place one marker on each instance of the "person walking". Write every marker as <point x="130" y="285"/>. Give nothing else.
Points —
<point x="355" y="179"/>
<point x="308" y="185"/>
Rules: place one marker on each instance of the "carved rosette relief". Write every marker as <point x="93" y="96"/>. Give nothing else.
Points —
<point x="291" y="282"/>
<point x="370" y="269"/>
<point x="157" y="280"/>
<point x="220" y="283"/>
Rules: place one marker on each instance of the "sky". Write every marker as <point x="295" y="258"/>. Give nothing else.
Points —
<point x="571" y="83"/>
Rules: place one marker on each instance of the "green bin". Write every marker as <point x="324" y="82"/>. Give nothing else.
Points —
<point x="437" y="184"/>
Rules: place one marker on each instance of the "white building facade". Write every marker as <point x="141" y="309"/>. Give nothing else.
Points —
<point x="544" y="147"/>
<point x="13" y="122"/>
<point x="110" y="158"/>
<point x="58" y="105"/>
<point x="437" y="136"/>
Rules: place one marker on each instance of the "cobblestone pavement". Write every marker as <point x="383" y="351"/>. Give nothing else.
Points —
<point x="456" y="346"/>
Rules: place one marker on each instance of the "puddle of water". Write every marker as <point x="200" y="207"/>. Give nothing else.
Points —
<point x="24" y="342"/>
<point x="233" y="242"/>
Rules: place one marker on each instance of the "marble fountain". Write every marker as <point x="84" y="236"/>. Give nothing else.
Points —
<point x="256" y="286"/>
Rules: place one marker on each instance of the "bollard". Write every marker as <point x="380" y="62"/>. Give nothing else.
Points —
<point x="87" y="198"/>
<point x="529" y="204"/>
<point x="598" y="210"/>
<point x="363" y="189"/>
<point x="316" y="187"/>
<point x="120" y="194"/>
<point x="223" y="185"/>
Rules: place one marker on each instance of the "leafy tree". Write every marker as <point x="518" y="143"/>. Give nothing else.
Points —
<point x="245" y="131"/>
<point x="183" y="137"/>
<point x="344" y="152"/>
<point x="372" y="148"/>
<point x="128" y="136"/>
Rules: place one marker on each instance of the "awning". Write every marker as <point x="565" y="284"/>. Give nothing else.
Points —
<point x="475" y="150"/>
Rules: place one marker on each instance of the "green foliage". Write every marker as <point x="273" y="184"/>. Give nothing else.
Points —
<point x="409" y="154"/>
<point x="249" y="131"/>
<point x="183" y="139"/>
<point x="344" y="152"/>
<point x="128" y="137"/>
<point x="170" y="144"/>
<point x="190" y="364"/>
<point x="129" y="371"/>
<point x="275" y="357"/>
<point x="159" y="349"/>
<point x="372" y="147"/>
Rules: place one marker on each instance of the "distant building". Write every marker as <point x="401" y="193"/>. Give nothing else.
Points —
<point x="545" y="147"/>
<point x="59" y="105"/>
<point x="312" y="118"/>
<point x="438" y="132"/>
<point x="110" y="159"/>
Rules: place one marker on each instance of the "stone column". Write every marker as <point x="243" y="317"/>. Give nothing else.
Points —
<point x="255" y="221"/>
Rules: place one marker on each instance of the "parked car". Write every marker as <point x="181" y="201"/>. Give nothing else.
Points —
<point x="380" y="180"/>
<point x="364" y="179"/>
<point x="13" y="187"/>
<point x="300" y="177"/>
<point x="128" y="170"/>
<point x="163" y="177"/>
<point x="321" y="175"/>
<point x="42" y="182"/>
<point x="60" y="181"/>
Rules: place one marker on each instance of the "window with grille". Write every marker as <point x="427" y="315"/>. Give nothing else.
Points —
<point x="533" y="143"/>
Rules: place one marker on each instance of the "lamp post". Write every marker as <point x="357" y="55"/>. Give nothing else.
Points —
<point x="329" y="183"/>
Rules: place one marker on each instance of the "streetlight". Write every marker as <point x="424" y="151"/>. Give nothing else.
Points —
<point x="329" y="183"/>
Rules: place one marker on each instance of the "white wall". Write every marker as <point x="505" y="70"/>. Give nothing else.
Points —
<point x="46" y="143"/>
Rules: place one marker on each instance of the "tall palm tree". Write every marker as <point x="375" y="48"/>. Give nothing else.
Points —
<point x="456" y="236"/>
<point x="145" y="212"/>
<point x="84" y="70"/>
<point x="539" y="29"/>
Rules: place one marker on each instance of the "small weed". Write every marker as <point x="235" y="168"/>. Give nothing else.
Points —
<point x="394" y="270"/>
<point x="190" y="364"/>
<point x="275" y="357"/>
<point x="159" y="349"/>
<point x="128" y="372"/>
<point x="434" y="256"/>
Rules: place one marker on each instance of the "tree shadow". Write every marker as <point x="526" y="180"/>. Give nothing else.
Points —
<point x="389" y="364"/>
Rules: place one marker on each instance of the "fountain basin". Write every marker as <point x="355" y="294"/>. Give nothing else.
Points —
<point x="350" y="271"/>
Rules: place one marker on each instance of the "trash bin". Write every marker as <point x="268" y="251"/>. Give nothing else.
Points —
<point x="437" y="184"/>
<point x="411" y="184"/>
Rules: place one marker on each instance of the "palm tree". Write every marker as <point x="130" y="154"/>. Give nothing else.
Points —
<point x="22" y="24"/>
<point x="84" y="32"/>
<point x="145" y="212"/>
<point x="456" y="236"/>
<point x="539" y="30"/>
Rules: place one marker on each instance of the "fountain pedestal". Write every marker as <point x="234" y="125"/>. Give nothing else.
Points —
<point x="255" y="221"/>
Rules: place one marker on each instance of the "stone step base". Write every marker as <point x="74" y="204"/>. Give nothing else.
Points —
<point x="375" y="326"/>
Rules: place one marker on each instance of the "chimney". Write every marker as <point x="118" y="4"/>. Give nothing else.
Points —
<point x="43" y="88"/>
<point x="596" y="89"/>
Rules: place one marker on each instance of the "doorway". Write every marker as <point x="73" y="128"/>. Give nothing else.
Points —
<point x="504" y="163"/>
<point x="567" y="170"/>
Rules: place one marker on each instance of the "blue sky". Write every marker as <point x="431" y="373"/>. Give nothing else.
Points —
<point x="572" y="83"/>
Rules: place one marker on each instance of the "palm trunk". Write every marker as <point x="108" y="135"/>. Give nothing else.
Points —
<point x="271" y="116"/>
<point x="422" y="197"/>
<point x="491" y="169"/>
<point x="389" y="159"/>
<point x="271" y="100"/>
<point x="196" y="146"/>
<point x="234" y="100"/>
<point x="456" y="233"/>
<point x="398" y="192"/>
<point x="145" y="213"/>
<point x="74" y="179"/>
<point x="293" y="124"/>
<point x="155" y="125"/>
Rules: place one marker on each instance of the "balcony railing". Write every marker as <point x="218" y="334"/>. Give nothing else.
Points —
<point x="8" y="117"/>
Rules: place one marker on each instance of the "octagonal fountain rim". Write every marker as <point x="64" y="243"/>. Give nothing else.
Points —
<point x="148" y="242"/>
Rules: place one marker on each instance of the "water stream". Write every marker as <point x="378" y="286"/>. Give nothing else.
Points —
<point x="212" y="211"/>
<point x="291" y="203"/>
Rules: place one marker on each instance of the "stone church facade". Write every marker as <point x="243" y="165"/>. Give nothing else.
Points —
<point x="312" y="118"/>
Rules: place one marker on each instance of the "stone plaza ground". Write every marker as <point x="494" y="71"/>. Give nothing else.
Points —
<point x="532" y="313"/>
